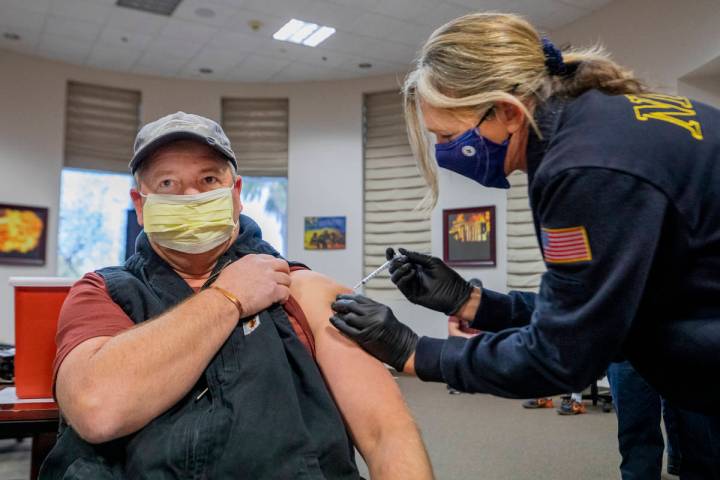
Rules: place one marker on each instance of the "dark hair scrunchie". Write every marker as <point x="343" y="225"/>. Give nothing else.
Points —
<point x="553" y="59"/>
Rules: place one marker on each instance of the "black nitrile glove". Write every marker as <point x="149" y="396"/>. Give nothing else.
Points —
<point x="374" y="327"/>
<point x="427" y="281"/>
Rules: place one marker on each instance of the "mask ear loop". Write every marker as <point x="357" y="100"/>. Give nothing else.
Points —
<point x="482" y="139"/>
<point x="484" y="117"/>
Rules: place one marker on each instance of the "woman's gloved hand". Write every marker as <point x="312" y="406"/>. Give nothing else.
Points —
<point x="374" y="327"/>
<point x="427" y="281"/>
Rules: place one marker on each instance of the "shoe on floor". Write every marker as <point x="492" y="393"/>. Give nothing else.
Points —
<point x="538" y="403"/>
<point x="571" y="407"/>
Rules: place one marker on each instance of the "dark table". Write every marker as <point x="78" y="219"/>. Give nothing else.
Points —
<point x="38" y="420"/>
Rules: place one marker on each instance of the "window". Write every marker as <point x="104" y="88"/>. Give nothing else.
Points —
<point x="258" y="130"/>
<point x="393" y="188"/>
<point x="100" y="127"/>
<point x="265" y="201"/>
<point x="524" y="262"/>
<point x="93" y="220"/>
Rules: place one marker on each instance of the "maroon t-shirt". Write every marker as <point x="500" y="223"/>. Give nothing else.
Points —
<point x="90" y="312"/>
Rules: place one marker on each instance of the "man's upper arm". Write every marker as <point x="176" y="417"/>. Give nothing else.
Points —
<point x="88" y="318"/>
<point x="365" y="392"/>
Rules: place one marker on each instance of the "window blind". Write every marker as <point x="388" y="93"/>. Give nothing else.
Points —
<point x="393" y="187"/>
<point x="258" y="132"/>
<point x="525" y="262"/>
<point x="100" y="126"/>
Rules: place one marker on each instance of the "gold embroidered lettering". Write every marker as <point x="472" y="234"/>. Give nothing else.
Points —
<point x="667" y="108"/>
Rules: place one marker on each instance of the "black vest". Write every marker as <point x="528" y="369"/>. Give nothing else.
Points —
<point x="673" y="144"/>
<point x="267" y="413"/>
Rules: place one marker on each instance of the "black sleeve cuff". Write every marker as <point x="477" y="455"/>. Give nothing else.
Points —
<point x="427" y="359"/>
<point x="494" y="312"/>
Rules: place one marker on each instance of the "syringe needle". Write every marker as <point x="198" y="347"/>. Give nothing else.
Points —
<point x="374" y="273"/>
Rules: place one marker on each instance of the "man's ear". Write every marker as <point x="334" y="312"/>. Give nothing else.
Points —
<point x="237" y="190"/>
<point x="138" y="204"/>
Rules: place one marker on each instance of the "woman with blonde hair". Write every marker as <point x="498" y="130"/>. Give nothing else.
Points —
<point x="624" y="187"/>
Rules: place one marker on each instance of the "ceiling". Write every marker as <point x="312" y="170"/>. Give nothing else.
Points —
<point x="383" y="33"/>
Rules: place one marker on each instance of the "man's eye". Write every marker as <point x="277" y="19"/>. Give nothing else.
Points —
<point x="210" y="180"/>
<point x="165" y="184"/>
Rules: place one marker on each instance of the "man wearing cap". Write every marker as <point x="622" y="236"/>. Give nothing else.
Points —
<point x="207" y="355"/>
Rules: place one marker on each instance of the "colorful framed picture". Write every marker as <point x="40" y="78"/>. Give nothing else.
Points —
<point x="324" y="233"/>
<point x="23" y="234"/>
<point x="469" y="237"/>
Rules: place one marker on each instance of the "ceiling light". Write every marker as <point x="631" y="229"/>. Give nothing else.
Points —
<point x="11" y="36"/>
<point x="304" y="33"/>
<point x="160" y="7"/>
<point x="287" y="30"/>
<point x="319" y="36"/>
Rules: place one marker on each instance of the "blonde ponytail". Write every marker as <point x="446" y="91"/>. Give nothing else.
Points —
<point x="476" y="60"/>
<point x="593" y="69"/>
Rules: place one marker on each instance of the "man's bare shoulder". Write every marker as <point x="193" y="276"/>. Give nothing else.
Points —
<point x="309" y="283"/>
<point x="315" y="292"/>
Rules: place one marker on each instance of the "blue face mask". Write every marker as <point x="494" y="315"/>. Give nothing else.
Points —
<point x="476" y="158"/>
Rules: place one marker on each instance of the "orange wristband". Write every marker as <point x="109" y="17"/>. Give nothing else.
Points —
<point x="232" y="298"/>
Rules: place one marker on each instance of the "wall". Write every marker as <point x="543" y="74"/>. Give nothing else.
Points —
<point x="704" y="89"/>
<point x="703" y="83"/>
<point x="662" y="40"/>
<point x="325" y="160"/>
<point x="30" y="156"/>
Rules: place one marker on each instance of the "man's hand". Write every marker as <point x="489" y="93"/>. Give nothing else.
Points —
<point x="374" y="326"/>
<point x="427" y="281"/>
<point x="258" y="281"/>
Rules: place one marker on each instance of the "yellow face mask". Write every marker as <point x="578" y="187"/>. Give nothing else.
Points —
<point x="189" y="223"/>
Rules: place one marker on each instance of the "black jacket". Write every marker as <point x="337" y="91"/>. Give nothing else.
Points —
<point x="625" y="194"/>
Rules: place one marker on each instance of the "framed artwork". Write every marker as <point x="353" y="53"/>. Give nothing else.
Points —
<point x="23" y="234"/>
<point x="469" y="237"/>
<point x="324" y="233"/>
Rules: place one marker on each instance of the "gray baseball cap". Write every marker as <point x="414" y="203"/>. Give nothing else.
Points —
<point x="179" y="126"/>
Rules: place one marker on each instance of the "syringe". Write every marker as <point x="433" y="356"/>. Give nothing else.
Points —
<point x="375" y="273"/>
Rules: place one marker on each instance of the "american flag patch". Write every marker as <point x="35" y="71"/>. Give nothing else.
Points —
<point x="566" y="245"/>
